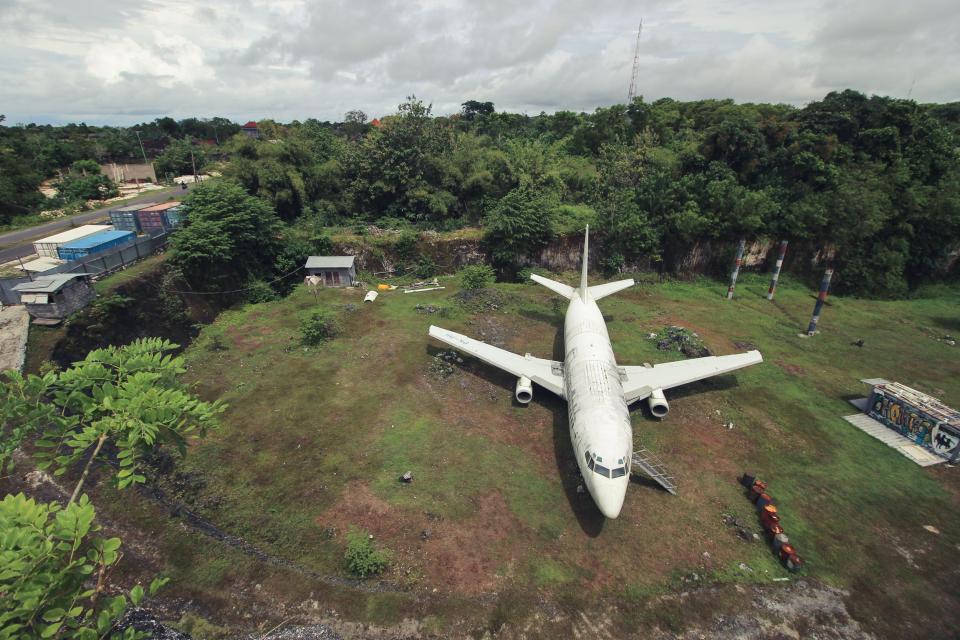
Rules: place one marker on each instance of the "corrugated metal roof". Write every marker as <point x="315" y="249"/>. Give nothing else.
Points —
<point x="42" y="264"/>
<point x="98" y="239"/>
<point x="136" y="207"/>
<point x="330" y="262"/>
<point x="163" y="206"/>
<point x="73" y="234"/>
<point x="47" y="284"/>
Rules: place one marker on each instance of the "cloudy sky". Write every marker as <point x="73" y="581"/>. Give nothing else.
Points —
<point x="110" y="62"/>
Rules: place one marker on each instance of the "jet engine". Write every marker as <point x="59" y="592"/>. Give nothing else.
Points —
<point x="524" y="390"/>
<point x="658" y="403"/>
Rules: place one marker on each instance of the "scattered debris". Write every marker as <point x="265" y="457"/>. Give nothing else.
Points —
<point x="581" y="489"/>
<point x="746" y="346"/>
<point x="743" y="566"/>
<point x="932" y="529"/>
<point x="407" y="477"/>
<point x="426" y="534"/>
<point x="371" y="296"/>
<point x="857" y="343"/>
<point x="728" y="425"/>
<point x="478" y="300"/>
<point x="683" y="340"/>
<point x="442" y="365"/>
<point x="426" y="289"/>
<point x="419" y="308"/>
<point x="770" y="519"/>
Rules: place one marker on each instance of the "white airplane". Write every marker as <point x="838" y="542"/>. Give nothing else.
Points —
<point x="596" y="388"/>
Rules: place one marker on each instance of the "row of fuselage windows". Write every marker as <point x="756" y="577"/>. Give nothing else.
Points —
<point x="595" y="463"/>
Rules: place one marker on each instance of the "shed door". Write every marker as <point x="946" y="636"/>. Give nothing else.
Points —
<point x="332" y="278"/>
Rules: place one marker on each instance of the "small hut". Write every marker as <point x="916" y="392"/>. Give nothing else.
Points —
<point x="334" y="271"/>
<point x="55" y="297"/>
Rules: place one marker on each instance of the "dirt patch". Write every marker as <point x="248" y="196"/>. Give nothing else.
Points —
<point x="792" y="369"/>
<point x="454" y="557"/>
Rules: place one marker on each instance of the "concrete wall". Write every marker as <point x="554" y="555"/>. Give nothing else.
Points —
<point x="14" y="325"/>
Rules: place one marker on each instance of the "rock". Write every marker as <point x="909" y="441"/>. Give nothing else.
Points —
<point x="139" y="619"/>
<point x="746" y="534"/>
<point x="407" y="477"/>
<point x="581" y="489"/>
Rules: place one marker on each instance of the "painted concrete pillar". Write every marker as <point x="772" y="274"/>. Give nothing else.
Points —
<point x="776" y="269"/>
<point x="736" y="269"/>
<point x="821" y="298"/>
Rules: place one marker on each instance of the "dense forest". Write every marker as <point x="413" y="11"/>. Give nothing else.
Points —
<point x="875" y="178"/>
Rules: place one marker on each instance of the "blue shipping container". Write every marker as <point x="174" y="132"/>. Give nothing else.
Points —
<point x="94" y="244"/>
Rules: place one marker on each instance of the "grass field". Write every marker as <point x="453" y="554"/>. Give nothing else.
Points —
<point x="315" y="439"/>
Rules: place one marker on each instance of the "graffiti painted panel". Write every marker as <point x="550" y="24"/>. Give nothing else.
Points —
<point x="913" y="423"/>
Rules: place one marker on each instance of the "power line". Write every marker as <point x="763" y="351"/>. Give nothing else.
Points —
<point x="217" y="293"/>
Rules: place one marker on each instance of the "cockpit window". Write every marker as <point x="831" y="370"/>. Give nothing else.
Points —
<point x="590" y="463"/>
<point x="602" y="470"/>
<point x="618" y="472"/>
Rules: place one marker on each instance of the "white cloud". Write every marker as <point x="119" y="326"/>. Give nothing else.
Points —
<point x="61" y="60"/>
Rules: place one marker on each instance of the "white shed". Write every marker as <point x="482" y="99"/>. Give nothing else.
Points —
<point x="336" y="271"/>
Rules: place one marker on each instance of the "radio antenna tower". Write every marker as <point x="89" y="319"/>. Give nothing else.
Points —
<point x="636" y="67"/>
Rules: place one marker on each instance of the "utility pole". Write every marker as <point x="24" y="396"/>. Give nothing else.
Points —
<point x="631" y="94"/>
<point x="141" y="147"/>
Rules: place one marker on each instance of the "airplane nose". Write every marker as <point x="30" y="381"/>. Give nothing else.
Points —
<point x="610" y="501"/>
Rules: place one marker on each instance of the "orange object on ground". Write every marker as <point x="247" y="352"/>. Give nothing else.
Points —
<point x="786" y="551"/>
<point x="770" y="508"/>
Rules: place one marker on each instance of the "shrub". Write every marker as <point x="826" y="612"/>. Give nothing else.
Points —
<point x="476" y="276"/>
<point x="319" y="327"/>
<point x="363" y="557"/>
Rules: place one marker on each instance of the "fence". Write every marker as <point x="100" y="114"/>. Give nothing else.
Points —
<point x="100" y="264"/>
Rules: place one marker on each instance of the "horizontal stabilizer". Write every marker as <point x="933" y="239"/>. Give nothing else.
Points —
<point x="557" y="287"/>
<point x="599" y="291"/>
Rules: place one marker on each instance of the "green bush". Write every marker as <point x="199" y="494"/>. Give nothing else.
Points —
<point x="319" y="327"/>
<point x="476" y="276"/>
<point x="363" y="557"/>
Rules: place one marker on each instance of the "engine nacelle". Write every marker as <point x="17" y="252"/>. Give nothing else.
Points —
<point x="524" y="391"/>
<point x="658" y="403"/>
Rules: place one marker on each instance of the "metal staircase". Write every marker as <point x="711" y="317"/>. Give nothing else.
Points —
<point x="644" y="461"/>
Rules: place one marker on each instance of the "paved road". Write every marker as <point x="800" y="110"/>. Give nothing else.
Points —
<point x="17" y="244"/>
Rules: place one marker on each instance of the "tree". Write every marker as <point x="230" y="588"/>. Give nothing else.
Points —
<point x="50" y="560"/>
<point x="228" y="238"/>
<point x="354" y="123"/>
<point x="123" y="399"/>
<point x="472" y="109"/>
<point x="85" y="182"/>
<point x="179" y="159"/>
<point x="520" y="224"/>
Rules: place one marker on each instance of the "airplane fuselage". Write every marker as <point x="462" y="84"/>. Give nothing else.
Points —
<point x="600" y="429"/>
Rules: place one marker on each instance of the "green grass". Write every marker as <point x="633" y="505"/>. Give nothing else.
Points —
<point x="317" y="436"/>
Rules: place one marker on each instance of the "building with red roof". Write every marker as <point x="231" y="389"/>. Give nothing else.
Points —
<point x="251" y="129"/>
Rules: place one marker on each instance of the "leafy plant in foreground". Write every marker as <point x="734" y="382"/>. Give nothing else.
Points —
<point x="54" y="574"/>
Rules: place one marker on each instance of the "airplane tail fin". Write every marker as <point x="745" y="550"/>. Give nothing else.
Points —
<point x="584" y="288"/>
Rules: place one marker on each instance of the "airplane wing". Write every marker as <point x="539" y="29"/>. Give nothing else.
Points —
<point x="641" y="381"/>
<point x="546" y="373"/>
